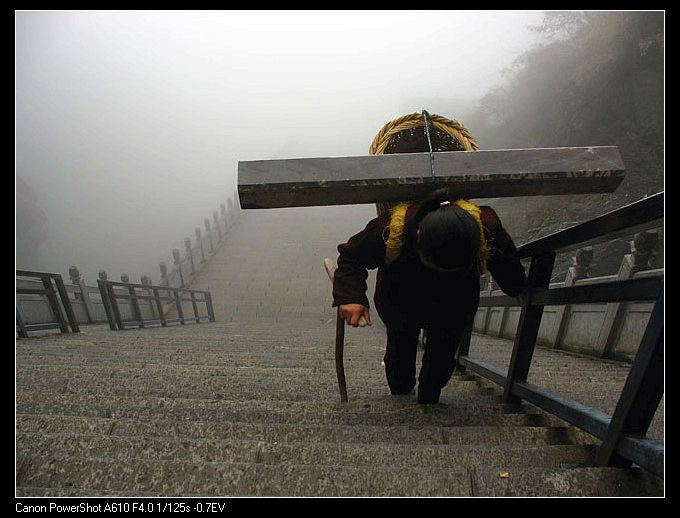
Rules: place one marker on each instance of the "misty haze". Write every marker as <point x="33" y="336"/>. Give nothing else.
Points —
<point x="347" y="327"/>
<point x="129" y="125"/>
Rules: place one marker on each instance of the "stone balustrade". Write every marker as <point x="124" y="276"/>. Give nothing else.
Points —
<point x="611" y="330"/>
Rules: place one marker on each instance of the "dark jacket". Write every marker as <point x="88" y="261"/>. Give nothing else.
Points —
<point x="407" y="289"/>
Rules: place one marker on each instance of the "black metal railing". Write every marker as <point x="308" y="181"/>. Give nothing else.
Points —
<point x="56" y="299"/>
<point x="136" y="292"/>
<point x="623" y="434"/>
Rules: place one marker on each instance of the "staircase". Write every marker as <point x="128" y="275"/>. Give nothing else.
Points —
<point x="249" y="405"/>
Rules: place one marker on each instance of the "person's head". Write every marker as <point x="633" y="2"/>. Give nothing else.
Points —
<point x="449" y="236"/>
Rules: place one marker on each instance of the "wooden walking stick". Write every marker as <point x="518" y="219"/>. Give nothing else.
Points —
<point x="339" y="337"/>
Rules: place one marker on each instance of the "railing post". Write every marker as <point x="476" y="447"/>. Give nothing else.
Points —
<point x="134" y="303"/>
<point x="641" y="393"/>
<point x="643" y="248"/>
<point x="578" y="270"/>
<point x="67" y="304"/>
<point x="176" y="259"/>
<point x="178" y="303"/>
<point x="106" y="302"/>
<point x="193" y="303"/>
<point x="20" y="322"/>
<point x="487" y="315"/>
<point x="209" y="232"/>
<point x="84" y="293"/>
<point x="209" y="306"/>
<point x="540" y="272"/>
<point x="54" y="303"/>
<point x="187" y="248"/>
<point x="164" y="274"/>
<point x="159" y="306"/>
<point x="115" y="310"/>
<point x="137" y="311"/>
<point x="217" y="226"/>
<point x="464" y="346"/>
<point x="200" y="242"/>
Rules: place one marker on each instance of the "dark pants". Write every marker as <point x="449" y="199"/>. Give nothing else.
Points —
<point x="444" y="305"/>
<point x="439" y="359"/>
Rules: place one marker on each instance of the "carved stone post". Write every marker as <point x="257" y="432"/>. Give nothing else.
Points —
<point x="165" y="281"/>
<point x="74" y="275"/>
<point x="217" y="225"/>
<point x="643" y="249"/>
<point x="103" y="275"/>
<point x="209" y="232"/>
<point x="579" y="270"/>
<point x="581" y="263"/>
<point x="177" y="260"/>
<point x="187" y="248"/>
<point x="200" y="242"/>
<point x="124" y="277"/>
<point x="164" y="274"/>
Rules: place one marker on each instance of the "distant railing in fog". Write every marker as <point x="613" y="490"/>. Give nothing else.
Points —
<point x="36" y="311"/>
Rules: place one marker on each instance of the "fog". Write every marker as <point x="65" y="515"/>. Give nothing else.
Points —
<point x="129" y="125"/>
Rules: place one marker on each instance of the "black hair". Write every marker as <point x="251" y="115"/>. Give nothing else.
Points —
<point x="449" y="235"/>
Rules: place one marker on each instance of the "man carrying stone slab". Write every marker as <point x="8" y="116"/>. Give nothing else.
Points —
<point x="429" y="256"/>
<point x="423" y="275"/>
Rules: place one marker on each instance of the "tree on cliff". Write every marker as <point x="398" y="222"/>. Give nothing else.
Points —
<point x="597" y="78"/>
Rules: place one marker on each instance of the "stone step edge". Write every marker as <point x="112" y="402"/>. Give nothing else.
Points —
<point x="563" y="430"/>
<point x="257" y="442"/>
<point x="492" y="475"/>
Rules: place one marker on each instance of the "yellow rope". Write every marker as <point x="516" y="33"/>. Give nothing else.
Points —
<point x="396" y="239"/>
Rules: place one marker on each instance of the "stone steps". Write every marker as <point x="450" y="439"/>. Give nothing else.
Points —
<point x="125" y="449"/>
<point x="299" y="432"/>
<point x="104" y="476"/>
<point x="294" y="388"/>
<point x="390" y="412"/>
<point x="242" y="385"/>
<point x="249" y="405"/>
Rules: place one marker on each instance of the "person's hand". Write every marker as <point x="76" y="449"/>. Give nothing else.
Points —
<point x="351" y="313"/>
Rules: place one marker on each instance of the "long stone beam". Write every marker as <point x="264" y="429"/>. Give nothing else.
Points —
<point x="303" y="182"/>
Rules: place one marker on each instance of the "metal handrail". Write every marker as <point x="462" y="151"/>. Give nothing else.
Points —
<point x="623" y="433"/>
<point x="114" y="315"/>
<point x="53" y="298"/>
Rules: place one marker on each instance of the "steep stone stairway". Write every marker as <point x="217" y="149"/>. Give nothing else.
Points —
<point x="249" y="405"/>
